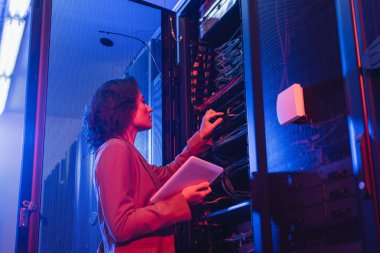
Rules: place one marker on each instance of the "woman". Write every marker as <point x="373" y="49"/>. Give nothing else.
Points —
<point x="124" y="181"/>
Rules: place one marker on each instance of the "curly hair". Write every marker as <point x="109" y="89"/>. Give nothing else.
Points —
<point x="111" y="110"/>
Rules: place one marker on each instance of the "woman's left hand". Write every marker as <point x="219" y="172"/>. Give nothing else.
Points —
<point x="207" y="127"/>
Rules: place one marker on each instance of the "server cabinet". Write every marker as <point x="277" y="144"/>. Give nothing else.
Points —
<point x="308" y="186"/>
<point x="212" y="65"/>
<point x="69" y="209"/>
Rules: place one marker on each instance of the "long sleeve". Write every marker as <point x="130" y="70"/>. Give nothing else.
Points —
<point x="120" y="188"/>
<point x="195" y="146"/>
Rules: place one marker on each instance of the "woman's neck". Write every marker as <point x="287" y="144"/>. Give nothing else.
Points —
<point x="130" y="135"/>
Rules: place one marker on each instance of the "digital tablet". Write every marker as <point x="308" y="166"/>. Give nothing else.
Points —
<point x="193" y="171"/>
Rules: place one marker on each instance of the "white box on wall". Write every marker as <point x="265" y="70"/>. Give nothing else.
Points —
<point x="290" y="104"/>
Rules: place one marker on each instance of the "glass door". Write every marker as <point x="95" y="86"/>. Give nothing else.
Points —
<point x="76" y="46"/>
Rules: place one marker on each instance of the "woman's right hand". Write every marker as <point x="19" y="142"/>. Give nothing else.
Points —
<point x="196" y="193"/>
<point x="207" y="127"/>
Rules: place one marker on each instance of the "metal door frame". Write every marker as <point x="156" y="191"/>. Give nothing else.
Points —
<point x="27" y="237"/>
<point x="32" y="158"/>
<point x="361" y="151"/>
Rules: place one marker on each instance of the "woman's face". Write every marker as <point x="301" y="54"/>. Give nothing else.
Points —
<point x="142" y="120"/>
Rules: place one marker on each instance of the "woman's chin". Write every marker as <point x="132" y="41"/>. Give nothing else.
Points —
<point x="145" y="128"/>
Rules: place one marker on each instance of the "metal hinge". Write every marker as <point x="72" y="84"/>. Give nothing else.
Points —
<point x="25" y="212"/>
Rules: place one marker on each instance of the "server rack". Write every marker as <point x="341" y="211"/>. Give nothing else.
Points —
<point x="212" y="76"/>
<point x="69" y="220"/>
<point x="306" y="190"/>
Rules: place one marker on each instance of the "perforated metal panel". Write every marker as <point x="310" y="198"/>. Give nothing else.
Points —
<point x="313" y="192"/>
<point x="302" y="47"/>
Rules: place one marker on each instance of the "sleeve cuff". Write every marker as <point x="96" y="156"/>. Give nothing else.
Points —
<point x="184" y="212"/>
<point x="196" y="145"/>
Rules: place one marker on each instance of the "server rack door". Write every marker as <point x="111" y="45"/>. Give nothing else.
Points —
<point x="58" y="208"/>
<point x="314" y="162"/>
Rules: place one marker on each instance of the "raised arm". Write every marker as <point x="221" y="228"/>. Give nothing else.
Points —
<point x="197" y="144"/>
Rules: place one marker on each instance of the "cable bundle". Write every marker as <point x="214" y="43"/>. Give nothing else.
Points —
<point x="230" y="172"/>
<point x="208" y="102"/>
<point x="228" y="61"/>
<point x="233" y="135"/>
<point x="223" y="154"/>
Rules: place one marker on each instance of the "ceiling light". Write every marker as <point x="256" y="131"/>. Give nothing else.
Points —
<point x="10" y="44"/>
<point x="4" y="88"/>
<point x="18" y="8"/>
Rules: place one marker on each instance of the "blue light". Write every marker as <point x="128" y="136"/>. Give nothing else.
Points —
<point x="18" y="8"/>
<point x="4" y="88"/>
<point x="10" y="44"/>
